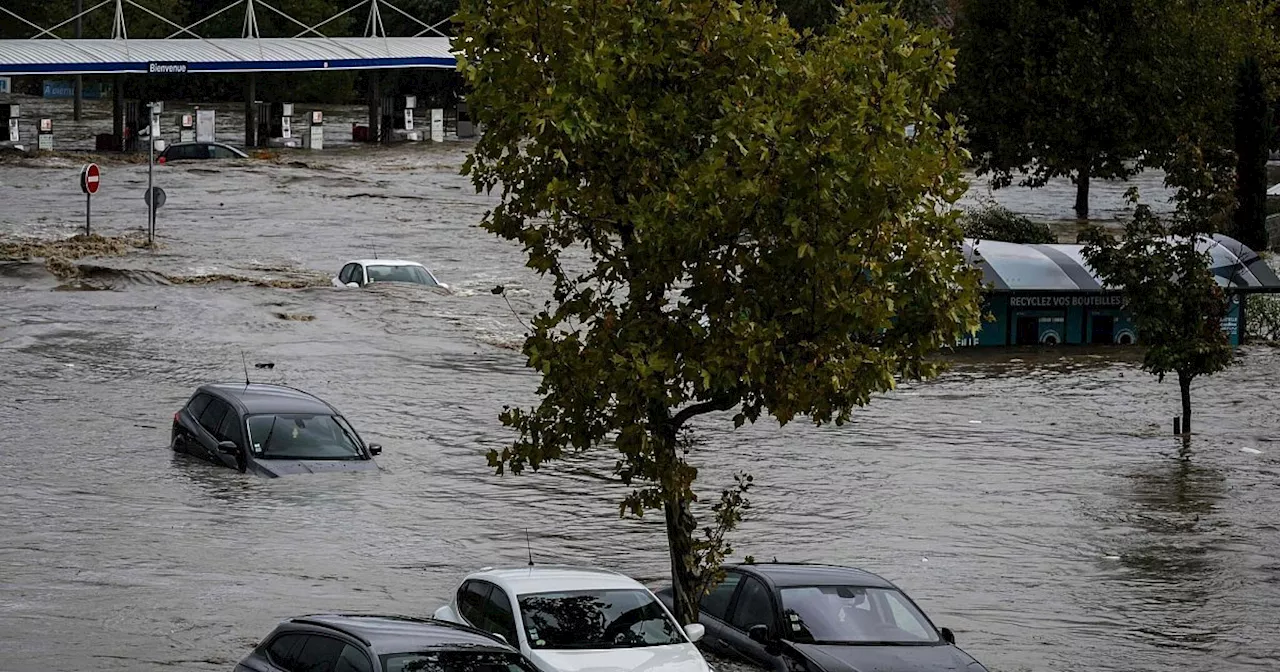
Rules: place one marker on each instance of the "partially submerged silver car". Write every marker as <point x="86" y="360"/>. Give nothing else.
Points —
<point x="363" y="272"/>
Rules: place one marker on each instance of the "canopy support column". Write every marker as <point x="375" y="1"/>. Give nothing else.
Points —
<point x="375" y="105"/>
<point x="117" y="111"/>
<point x="250" y="123"/>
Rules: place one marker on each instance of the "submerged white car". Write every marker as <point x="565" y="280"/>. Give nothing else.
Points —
<point x="575" y="619"/>
<point x="362" y="272"/>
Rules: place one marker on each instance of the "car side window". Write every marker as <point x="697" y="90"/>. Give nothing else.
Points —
<point x="222" y="153"/>
<point x="716" y="602"/>
<point x="283" y="652"/>
<point x="349" y="273"/>
<point x="500" y="619"/>
<point x="353" y="660"/>
<point x="319" y="654"/>
<point x="197" y="405"/>
<point x="229" y="430"/>
<point x="753" y="607"/>
<point x="211" y="419"/>
<point x="471" y="601"/>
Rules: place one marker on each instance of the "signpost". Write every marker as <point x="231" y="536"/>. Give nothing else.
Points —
<point x="90" y="177"/>
<point x="152" y="204"/>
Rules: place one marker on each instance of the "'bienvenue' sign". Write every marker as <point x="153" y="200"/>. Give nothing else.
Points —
<point x="167" y="68"/>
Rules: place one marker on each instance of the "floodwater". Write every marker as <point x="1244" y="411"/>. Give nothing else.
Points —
<point x="1033" y="501"/>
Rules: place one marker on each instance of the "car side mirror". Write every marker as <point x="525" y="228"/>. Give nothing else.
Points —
<point x="375" y="449"/>
<point x="228" y="448"/>
<point x="353" y="284"/>
<point x="759" y="633"/>
<point x="948" y="636"/>
<point x="695" y="631"/>
<point x="500" y="637"/>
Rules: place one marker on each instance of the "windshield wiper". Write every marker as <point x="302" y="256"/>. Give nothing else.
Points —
<point x="350" y="438"/>
<point x="267" y="441"/>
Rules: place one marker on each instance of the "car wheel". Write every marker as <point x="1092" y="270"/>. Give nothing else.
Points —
<point x="179" y="443"/>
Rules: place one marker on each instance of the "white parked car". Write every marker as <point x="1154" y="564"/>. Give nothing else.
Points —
<point x="575" y="619"/>
<point x="361" y="272"/>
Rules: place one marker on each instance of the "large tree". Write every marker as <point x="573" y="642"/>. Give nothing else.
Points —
<point x="731" y="222"/>
<point x="1091" y="89"/>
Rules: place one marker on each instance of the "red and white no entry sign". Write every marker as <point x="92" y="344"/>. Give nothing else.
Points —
<point x="89" y="178"/>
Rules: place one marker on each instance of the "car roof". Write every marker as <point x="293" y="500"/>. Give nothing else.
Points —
<point x="266" y="398"/>
<point x="202" y="143"/>
<point x="401" y="634"/>
<point x="555" y="578"/>
<point x="384" y="262"/>
<point x="785" y="575"/>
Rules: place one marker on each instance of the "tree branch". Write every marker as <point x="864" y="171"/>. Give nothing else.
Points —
<point x="722" y="403"/>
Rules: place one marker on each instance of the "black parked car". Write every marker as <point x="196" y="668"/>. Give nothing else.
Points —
<point x="821" y="618"/>
<point x="269" y="430"/>
<point x="193" y="151"/>
<point x="365" y="643"/>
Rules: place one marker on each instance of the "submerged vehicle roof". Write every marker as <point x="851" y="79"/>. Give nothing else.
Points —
<point x="789" y="574"/>
<point x="400" y="634"/>
<point x="384" y="262"/>
<point x="268" y="398"/>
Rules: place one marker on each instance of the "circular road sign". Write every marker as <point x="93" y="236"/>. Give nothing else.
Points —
<point x="90" y="176"/>
<point x="160" y="197"/>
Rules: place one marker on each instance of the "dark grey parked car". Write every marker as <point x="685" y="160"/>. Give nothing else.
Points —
<point x="822" y="618"/>
<point x="367" y="643"/>
<point x="269" y="430"/>
<point x="199" y="151"/>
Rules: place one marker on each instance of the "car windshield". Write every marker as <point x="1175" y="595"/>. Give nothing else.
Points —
<point x="455" y="661"/>
<point x="853" y="615"/>
<point x="302" y="436"/>
<point x="414" y="274"/>
<point x="596" y="619"/>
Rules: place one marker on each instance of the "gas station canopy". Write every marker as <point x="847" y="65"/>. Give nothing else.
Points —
<point x="227" y="55"/>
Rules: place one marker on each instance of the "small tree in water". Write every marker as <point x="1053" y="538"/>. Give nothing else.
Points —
<point x="757" y="230"/>
<point x="1171" y="294"/>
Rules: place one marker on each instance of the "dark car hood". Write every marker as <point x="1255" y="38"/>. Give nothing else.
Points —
<point x="836" y="658"/>
<point x="287" y="467"/>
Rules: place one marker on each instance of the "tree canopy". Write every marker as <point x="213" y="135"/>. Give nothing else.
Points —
<point x="1170" y="293"/>
<point x="1097" y="88"/>
<point x="730" y="221"/>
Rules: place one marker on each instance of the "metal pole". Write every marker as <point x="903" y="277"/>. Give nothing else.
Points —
<point x="151" y="163"/>
<point x="79" y="78"/>
<point x="88" y="199"/>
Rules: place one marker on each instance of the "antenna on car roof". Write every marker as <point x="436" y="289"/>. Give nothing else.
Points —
<point x="528" y="545"/>
<point x="245" y="361"/>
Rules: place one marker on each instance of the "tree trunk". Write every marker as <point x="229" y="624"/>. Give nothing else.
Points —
<point x="1184" y="385"/>
<point x="684" y="579"/>
<point x="1082" y="192"/>
<point x="681" y="525"/>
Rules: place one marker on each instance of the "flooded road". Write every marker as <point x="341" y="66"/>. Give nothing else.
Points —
<point x="1033" y="502"/>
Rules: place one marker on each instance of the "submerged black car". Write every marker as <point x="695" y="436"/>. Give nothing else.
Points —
<point x="368" y="643"/>
<point x="821" y="618"/>
<point x="270" y="430"/>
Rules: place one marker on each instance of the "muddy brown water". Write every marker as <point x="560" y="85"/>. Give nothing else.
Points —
<point x="1033" y="501"/>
